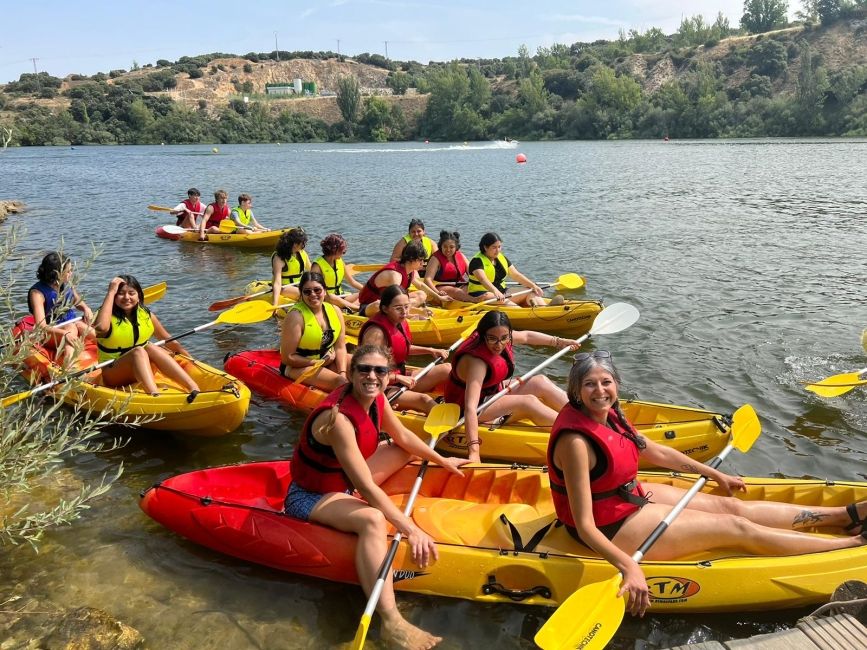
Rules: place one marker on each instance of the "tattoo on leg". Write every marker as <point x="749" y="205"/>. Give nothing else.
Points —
<point x="807" y="518"/>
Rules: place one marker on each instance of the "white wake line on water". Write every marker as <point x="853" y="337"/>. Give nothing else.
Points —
<point x="453" y="147"/>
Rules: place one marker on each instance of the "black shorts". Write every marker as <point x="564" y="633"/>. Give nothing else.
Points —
<point x="609" y="530"/>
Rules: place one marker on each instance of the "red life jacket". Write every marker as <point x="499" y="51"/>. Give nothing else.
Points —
<point x="451" y="271"/>
<point x="610" y="503"/>
<point x="398" y="338"/>
<point x="500" y="368"/>
<point x="314" y="465"/>
<point x="217" y="215"/>
<point x="192" y="207"/>
<point x="370" y="293"/>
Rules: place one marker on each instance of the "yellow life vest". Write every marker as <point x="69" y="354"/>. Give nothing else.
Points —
<point x="244" y="216"/>
<point x="490" y="272"/>
<point x="124" y="335"/>
<point x="293" y="267"/>
<point x="310" y="345"/>
<point x="333" y="274"/>
<point x="426" y="241"/>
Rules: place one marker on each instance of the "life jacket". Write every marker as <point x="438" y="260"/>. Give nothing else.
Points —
<point x="124" y="335"/>
<point x="426" y="242"/>
<point x="499" y="368"/>
<point x="294" y="266"/>
<point x="370" y="293"/>
<point x="243" y="216"/>
<point x="333" y="274"/>
<point x="310" y="345"/>
<point x="217" y="215"/>
<point x="617" y="493"/>
<point x="490" y="272"/>
<point x="52" y="302"/>
<point x="398" y="338"/>
<point x="192" y="207"/>
<point x="314" y="465"/>
<point x="451" y="271"/>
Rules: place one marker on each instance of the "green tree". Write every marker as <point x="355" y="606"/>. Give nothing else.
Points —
<point x="348" y="99"/>
<point x="812" y="84"/>
<point x="764" y="15"/>
<point x="399" y="82"/>
<point x="768" y="57"/>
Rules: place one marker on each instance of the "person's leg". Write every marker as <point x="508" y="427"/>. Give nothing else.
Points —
<point x="433" y="380"/>
<point x="324" y="378"/>
<point x="520" y="407"/>
<point x="290" y="291"/>
<point x="133" y="366"/>
<point x="695" y="531"/>
<point x="539" y="385"/>
<point x="169" y="367"/>
<point x="414" y="401"/>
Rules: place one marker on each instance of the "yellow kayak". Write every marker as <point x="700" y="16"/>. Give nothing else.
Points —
<point x="238" y="510"/>
<point x="573" y="318"/>
<point x="256" y="240"/>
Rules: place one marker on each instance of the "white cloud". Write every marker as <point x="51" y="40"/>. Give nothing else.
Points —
<point x="580" y="18"/>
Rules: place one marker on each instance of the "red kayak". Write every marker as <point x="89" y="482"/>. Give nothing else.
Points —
<point x="260" y="370"/>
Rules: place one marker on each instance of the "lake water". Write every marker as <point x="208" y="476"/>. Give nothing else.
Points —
<point x="746" y="259"/>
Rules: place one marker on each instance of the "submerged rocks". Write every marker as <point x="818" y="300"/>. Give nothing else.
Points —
<point x="10" y="207"/>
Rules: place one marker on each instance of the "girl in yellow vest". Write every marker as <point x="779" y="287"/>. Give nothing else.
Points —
<point x="243" y="217"/>
<point x="288" y="261"/>
<point x="313" y="333"/>
<point x="488" y="271"/>
<point x="123" y="328"/>
<point x="416" y="233"/>
<point x="330" y="265"/>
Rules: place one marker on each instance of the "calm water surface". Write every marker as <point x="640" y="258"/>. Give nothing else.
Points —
<point x="746" y="259"/>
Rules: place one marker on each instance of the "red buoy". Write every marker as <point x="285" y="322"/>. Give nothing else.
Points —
<point x="520" y="158"/>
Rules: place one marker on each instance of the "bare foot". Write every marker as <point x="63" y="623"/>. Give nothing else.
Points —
<point x="403" y="634"/>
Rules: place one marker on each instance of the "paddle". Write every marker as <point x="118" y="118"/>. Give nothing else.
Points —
<point x="837" y="385"/>
<point x="864" y="340"/>
<point x="220" y="305"/>
<point x="421" y="373"/>
<point x="565" y="281"/>
<point x="364" y="268"/>
<point x="592" y="614"/>
<point x="227" y="226"/>
<point x="177" y="230"/>
<point x="159" y="208"/>
<point x="442" y="418"/>
<point x="242" y="314"/>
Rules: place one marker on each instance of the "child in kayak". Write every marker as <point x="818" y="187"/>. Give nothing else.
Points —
<point x="403" y="272"/>
<point x="593" y="459"/>
<point x="337" y="468"/>
<point x="187" y="210"/>
<point x="53" y="301"/>
<point x="214" y="214"/>
<point x="123" y="328"/>
<point x="242" y="216"/>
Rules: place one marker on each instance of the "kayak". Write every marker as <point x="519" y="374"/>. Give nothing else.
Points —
<point x="256" y="240"/>
<point x="218" y="409"/>
<point x="238" y="511"/>
<point x="572" y="318"/>
<point x="697" y="433"/>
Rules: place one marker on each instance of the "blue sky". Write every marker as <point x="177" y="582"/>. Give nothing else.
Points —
<point x="95" y="36"/>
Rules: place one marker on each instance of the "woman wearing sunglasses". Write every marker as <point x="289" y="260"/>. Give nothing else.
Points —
<point x="593" y="459"/>
<point x="484" y="364"/>
<point x="389" y="329"/>
<point x="312" y="338"/>
<point x="337" y="468"/>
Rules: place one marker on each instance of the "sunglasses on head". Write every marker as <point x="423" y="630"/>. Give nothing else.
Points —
<point x="596" y="354"/>
<point x="365" y="368"/>
<point x="311" y="291"/>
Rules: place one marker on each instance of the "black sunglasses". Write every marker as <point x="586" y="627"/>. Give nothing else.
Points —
<point x="596" y="354"/>
<point x="310" y="292"/>
<point x="365" y="368"/>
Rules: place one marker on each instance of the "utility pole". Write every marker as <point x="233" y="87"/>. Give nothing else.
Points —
<point x="34" y="64"/>
<point x="276" y="49"/>
<point x="338" y="48"/>
<point x="386" y="50"/>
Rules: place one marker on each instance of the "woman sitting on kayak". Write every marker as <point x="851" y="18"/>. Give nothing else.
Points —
<point x="331" y="266"/>
<point x="483" y="365"/>
<point x="123" y="328"/>
<point x="593" y="459"/>
<point x="53" y="301"/>
<point x="338" y="454"/>
<point x="403" y="272"/>
<point x="449" y="265"/>
<point x="390" y="329"/>
<point x="288" y="261"/>
<point x="488" y="271"/>
<point x="416" y="234"/>
<point x="313" y="339"/>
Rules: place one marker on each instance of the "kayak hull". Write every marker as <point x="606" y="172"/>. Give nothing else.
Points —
<point x="256" y="240"/>
<point x="698" y="433"/>
<point x="237" y="510"/>
<point x="219" y="409"/>
<point x="573" y="318"/>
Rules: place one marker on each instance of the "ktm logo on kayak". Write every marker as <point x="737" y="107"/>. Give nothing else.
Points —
<point x="672" y="590"/>
<point x="353" y="324"/>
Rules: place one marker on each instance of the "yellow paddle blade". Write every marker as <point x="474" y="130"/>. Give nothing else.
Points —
<point x="569" y="281"/>
<point x="254" y="311"/>
<point x="351" y="339"/>
<point x="442" y="418"/>
<point x="227" y="226"/>
<point x="588" y="619"/>
<point x="864" y="340"/>
<point x="361" y="632"/>
<point x="746" y="428"/>
<point x="159" y="208"/>
<point x="154" y="292"/>
<point x="365" y="268"/>
<point x="310" y="371"/>
<point x="14" y="399"/>
<point x="837" y="385"/>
